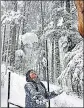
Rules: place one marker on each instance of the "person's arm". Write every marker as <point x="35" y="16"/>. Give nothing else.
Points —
<point x="53" y="93"/>
<point x="48" y="95"/>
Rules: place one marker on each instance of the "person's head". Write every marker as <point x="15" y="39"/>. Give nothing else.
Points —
<point x="31" y="75"/>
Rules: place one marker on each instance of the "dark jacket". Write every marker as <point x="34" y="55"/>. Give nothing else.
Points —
<point x="35" y="91"/>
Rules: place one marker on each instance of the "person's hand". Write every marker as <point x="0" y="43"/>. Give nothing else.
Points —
<point x="53" y="93"/>
<point x="58" y="92"/>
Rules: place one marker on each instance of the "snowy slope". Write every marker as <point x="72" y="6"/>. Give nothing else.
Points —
<point x="17" y="94"/>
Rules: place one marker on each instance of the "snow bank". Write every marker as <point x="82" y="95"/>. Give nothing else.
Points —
<point x="17" y="89"/>
<point x="17" y="94"/>
<point x="65" y="100"/>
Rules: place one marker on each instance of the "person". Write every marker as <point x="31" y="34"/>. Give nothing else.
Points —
<point x="35" y="91"/>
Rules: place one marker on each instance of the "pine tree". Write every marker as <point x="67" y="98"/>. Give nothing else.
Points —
<point x="13" y="37"/>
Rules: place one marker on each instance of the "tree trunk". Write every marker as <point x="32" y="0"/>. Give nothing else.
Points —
<point x="42" y="17"/>
<point x="23" y="23"/>
<point x="7" y="55"/>
<point x="28" y="9"/>
<point x="13" y="46"/>
<point x="44" y="73"/>
<point x="52" y="65"/>
<point x="68" y="10"/>
<point x="3" y="49"/>
<point x="57" y="59"/>
<point x="68" y="6"/>
<point x="18" y="36"/>
<point x="39" y="67"/>
<point x="13" y="36"/>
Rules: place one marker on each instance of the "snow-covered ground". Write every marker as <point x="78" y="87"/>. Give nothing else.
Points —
<point x="17" y="94"/>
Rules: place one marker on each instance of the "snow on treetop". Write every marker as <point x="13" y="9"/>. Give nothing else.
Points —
<point x="28" y="38"/>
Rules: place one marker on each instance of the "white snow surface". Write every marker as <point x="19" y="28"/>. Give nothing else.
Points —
<point x="17" y="94"/>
